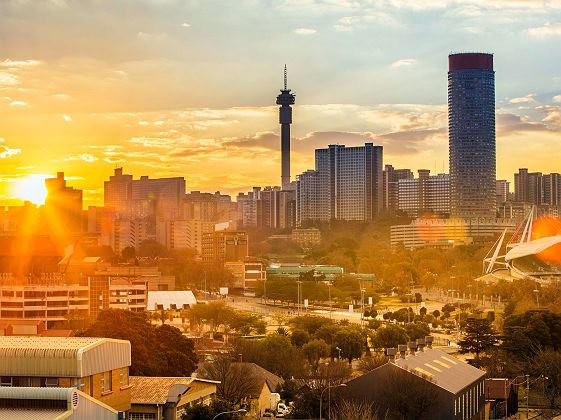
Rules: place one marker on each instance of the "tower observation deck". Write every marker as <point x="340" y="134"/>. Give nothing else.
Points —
<point x="285" y="99"/>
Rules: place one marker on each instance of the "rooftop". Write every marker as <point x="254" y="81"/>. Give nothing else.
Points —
<point x="156" y="390"/>
<point x="62" y="356"/>
<point x="446" y="371"/>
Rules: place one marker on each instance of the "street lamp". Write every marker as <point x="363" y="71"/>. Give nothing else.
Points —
<point x="321" y="396"/>
<point x="240" y="411"/>
<point x="339" y="350"/>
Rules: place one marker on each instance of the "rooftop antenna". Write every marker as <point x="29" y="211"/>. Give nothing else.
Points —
<point x="285" y="81"/>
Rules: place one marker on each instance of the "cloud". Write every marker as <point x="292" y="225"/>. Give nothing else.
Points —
<point x="553" y="114"/>
<point x="66" y="117"/>
<point x="557" y="98"/>
<point x="185" y="25"/>
<point x="12" y="64"/>
<point x="511" y="123"/>
<point x="8" y="152"/>
<point x="8" y="79"/>
<point x="404" y="62"/>
<point x="545" y="31"/>
<point x="18" y="103"/>
<point x="86" y="157"/>
<point x="304" y="31"/>
<point x="525" y="99"/>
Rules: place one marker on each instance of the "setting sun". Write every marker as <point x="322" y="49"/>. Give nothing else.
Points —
<point x="32" y="188"/>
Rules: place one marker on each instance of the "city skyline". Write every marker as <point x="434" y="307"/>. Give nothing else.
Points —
<point x="172" y="91"/>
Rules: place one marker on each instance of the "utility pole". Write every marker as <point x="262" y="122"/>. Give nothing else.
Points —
<point x="330" y="310"/>
<point x="362" y="306"/>
<point x="299" y="283"/>
<point x="527" y="396"/>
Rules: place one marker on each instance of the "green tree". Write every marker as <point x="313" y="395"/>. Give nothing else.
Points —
<point x="389" y="336"/>
<point x="208" y="412"/>
<point x="417" y="330"/>
<point x="479" y="337"/>
<point x="314" y="350"/>
<point x="351" y="343"/>
<point x="155" y="351"/>
<point x="299" y="337"/>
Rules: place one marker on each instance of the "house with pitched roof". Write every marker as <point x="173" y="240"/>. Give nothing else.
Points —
<point x="168" y="398"/>
<point x="456" y="389"/>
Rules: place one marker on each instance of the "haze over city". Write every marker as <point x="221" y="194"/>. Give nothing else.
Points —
<point x="170" y="88"/>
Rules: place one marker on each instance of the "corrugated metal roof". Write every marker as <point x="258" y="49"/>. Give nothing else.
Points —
<point x="446" y="371"/>
<point x="29" y="413"/>
<point x="62" y="356"/>
<point x="167" y="298"/>
<point x="36" y="393"/>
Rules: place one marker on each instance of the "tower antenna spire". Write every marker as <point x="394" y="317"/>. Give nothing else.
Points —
<point x="285" y="78"/>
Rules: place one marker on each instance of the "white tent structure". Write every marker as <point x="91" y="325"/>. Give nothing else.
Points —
<point x="170" y="300"/>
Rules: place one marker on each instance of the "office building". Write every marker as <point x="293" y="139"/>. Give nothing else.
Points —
<point x="537" y="188"/>
<point x="444" y="233"/>
<point x="144" y="197"/>
<point x="98" y="367"/>
<point x="347" y="184"/>
<point x="63" y="207"/>
<point x="426" y="194"/>
<point x="471" y="120"/>
<point x="225" y="246"/>
<point x="246" y="273"/>
<point x="502" y="191"/>
<point x="270" y="207"/>
<point x="391" y="178"/>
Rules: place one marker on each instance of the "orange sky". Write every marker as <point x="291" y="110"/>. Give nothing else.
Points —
<point x="181" y="89"/>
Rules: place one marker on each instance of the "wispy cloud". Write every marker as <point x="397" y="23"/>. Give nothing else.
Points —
<point x="18" y="103"/>
<point x="524" y="99"/>
<point x="86" y="157"/>
<point x="305" y="31"/>
<point x="186" y="25"/>
<point x="545" y="31"/>
<point x="66" y="117"/>
<point x="404" y="62"/>
<point x="557" y="98"/>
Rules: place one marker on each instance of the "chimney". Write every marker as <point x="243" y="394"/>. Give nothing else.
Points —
<point x="428" y="340"/>
<point x="391" y="352"/>
<point x="412" y="347"/>
<point x="402" y="348"/>
<point x="420" y="344"/>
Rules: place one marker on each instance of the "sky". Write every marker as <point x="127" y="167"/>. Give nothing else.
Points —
<point x="187" y="87"/>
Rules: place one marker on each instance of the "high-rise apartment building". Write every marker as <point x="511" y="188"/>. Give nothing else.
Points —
<point x="347" y="184"/>
<point x="391" y="178"/>
<point x="425" y="194"/>
<point x="63" y="206"/>
<point x="502" y="191"/>
<point x="537" y="188"/>
<point x="271" y="207"/>
<point x="144" y="197"/>
<point x="471" y="119"/>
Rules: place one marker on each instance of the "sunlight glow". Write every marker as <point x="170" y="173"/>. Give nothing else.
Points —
<point x="31" y="188"/>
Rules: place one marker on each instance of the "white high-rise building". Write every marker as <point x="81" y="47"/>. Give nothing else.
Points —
<point x="426" y="194"/>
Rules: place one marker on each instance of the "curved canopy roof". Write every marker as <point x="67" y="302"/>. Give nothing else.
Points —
<point x="533" y="247"/>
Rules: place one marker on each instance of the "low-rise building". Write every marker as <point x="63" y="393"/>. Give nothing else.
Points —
<point x="457" y="390"/>
<point x="444" y="233"/>
<point x="24" y="403"/>
<point x="246" y="273"/>
<point x="168" y="398"/>
<point x="99" y="367"/>
<point x="173" y="300"/>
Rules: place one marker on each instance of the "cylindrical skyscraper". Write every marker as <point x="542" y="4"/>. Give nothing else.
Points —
<point x="471" y="121"/>
<point x="285" y="99"/>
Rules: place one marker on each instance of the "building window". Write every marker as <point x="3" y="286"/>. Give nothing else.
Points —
<point x="91" y="386"/>
<point x="124" y="377"/>
<point x="51" y="382"/>
<point x="106" y="381"/>
<point x="6" y="381"/>
<point x="142" y="416"/>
